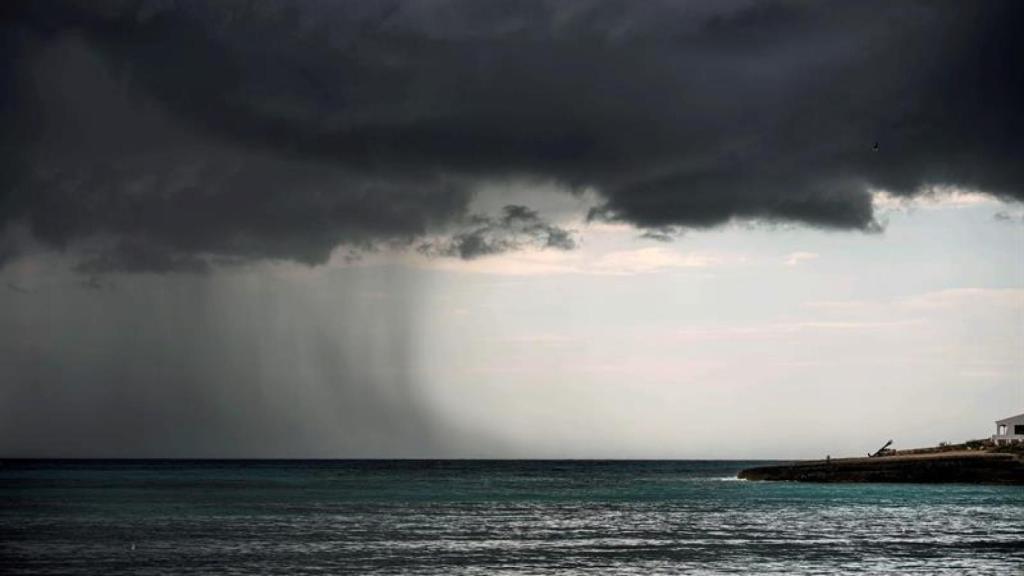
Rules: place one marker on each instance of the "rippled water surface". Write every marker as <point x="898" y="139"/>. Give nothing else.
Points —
<point x="476" y="517"/>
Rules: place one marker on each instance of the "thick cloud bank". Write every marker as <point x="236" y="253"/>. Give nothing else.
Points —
<point x="162" y="135"/>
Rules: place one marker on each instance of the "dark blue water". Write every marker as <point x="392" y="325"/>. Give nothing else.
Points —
<point x="475" y="517"/>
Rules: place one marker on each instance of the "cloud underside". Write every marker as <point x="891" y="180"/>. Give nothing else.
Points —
<point x="165" y="135"/>
<point x="516" y="228"/>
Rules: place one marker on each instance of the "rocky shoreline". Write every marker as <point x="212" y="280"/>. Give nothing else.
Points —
<point x="962" y="466"/>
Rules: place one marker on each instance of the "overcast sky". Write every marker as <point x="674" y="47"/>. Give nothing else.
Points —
<point x="508" y="229"/>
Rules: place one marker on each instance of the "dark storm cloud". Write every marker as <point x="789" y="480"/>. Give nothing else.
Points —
<point x="245" y="130"/>
<point x="518" y="226"/>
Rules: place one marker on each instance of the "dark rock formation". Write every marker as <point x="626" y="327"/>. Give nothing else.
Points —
<point x="962" y="467"/>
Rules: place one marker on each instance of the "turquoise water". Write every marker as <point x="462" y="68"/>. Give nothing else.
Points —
<point x="484" y="517"/>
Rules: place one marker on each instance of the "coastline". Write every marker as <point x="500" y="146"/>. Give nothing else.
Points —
<point x="927" y="466"/>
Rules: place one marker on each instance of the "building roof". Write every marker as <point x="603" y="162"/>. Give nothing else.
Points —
<point x="1011" y="419"/>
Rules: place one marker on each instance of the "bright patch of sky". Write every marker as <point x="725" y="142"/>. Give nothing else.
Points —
<point x="750" y="341"/>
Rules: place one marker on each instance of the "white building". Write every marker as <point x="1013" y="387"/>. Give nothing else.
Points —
<point x="1009" y="430"/>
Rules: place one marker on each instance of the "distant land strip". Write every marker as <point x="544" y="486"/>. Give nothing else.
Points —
<point x="969" y="463"/>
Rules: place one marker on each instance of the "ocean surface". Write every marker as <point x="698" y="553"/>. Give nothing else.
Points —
<point x="488" y="517"/>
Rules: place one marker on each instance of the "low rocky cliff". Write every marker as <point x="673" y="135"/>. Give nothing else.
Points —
<point x="944" y="467"/>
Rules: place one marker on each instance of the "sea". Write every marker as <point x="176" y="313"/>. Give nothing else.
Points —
<point x="488" y="517"/>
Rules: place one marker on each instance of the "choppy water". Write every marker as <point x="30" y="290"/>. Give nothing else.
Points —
<point x="473" y="517"/>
